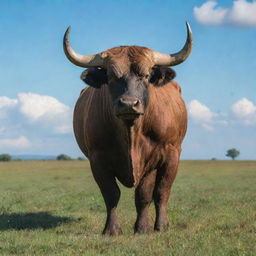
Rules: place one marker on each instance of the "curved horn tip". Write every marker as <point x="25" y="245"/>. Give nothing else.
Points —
<point x="188" y="26"/>
<point x="189" y="29"/>
<point x="67" y="32"/>
<point x="78" y="59"/>
<point x="176" y="58"/>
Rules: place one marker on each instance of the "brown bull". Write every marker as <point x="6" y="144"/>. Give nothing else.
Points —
<point x="130" y="123"/>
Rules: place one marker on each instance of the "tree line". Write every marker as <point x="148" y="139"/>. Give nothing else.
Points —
<point x="8" y="158"/>
<point x="232" y="153"/>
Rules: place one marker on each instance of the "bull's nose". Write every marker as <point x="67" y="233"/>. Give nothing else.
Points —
<point x="129" y="108"/>
<point x="129" y="102"/>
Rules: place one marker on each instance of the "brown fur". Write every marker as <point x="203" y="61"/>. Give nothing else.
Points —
<point x="145" y="155"/>
<point x="139" y="58"/>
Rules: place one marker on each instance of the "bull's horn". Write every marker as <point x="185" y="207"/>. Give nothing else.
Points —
<point x="85" y="61"/>
<point x="162" y="59"/>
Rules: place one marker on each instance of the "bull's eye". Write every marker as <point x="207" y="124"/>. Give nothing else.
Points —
<point x="141" y="77"/>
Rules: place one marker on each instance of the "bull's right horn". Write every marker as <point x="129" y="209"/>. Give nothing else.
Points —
<point x="85" y="61"/>
<point x="163" y="59"/>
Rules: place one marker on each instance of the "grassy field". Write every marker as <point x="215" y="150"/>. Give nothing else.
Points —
<point x="55" y="208"/>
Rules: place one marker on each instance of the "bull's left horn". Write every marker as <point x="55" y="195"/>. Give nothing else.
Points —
<point x="162" y="59"/>
<point x="85" y="61"/>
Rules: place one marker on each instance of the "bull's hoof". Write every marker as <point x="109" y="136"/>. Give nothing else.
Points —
<point x="141" y="229"/>
<point x="112" y="231"/>
<point x="161" y="226"/>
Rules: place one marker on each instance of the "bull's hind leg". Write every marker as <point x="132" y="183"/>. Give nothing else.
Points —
<point x="143" y="198"/>
<point x="165" y="177"/>
<point x="111" y="194"/>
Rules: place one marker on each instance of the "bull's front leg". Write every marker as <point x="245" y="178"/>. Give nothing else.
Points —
<point x="110" y="192"/>
<point x="165" y="177"/>
<point x="143" y="198"/>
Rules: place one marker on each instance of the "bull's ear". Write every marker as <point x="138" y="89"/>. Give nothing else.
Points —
<point x="162" y="75"/>
<point x="94" y="77"/>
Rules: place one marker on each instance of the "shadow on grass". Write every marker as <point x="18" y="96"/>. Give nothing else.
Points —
<point x="20" y="221"/>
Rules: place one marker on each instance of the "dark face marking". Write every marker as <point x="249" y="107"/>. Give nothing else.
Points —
<point x="129" y="95"/>
<point x="128" y="69"/>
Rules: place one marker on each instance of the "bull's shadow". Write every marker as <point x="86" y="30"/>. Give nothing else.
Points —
<point x="20" y="221"/>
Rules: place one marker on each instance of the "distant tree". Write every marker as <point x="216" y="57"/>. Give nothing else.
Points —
<point x="233" y="153"/>
<point x="81" y="158"/>
<point x="5" y="158"/>
<point x="63" y="157"/>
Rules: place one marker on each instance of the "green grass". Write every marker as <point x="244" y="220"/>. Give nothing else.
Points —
<point x="55" y="208"/>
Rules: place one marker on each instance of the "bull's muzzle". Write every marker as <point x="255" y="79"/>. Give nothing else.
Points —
<point x="129" y="108"/>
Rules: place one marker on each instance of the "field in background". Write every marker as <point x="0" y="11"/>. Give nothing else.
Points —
<point x="55" y="208"/>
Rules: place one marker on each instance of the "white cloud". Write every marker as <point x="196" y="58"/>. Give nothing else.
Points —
<point x="206" y="14"/>
<point x="242" y="13"/>
<point x="200" y="112"/>
<point x="39" y="111"/>
<point x="245" y="111"/>
<point x="15" y="143"/>
<point x="202" y="115"/>
<point x="46" y="111"/>
<point x="31" y="122"/>
<point x="6" y="104"/>
<point x="41" y="107"/>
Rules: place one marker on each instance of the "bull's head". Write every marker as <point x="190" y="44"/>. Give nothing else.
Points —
<point x="128" y="71"/>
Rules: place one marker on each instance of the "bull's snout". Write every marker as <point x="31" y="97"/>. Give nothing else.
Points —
<point x="129" y="102"/>
<point x="129" y="108"/>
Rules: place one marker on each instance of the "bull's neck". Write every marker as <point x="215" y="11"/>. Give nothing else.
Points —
<point x="128" y="137"/>
<point x="132" y="140"/>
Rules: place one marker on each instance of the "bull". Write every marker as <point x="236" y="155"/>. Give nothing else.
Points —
<point x="130" y="123"/>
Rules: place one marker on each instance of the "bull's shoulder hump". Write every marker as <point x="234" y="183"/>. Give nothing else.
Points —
<point x="85" y="90"/>
<point x="175" y="85"/>
<point x="87" y="93"/>
<point x="169" y="88"/>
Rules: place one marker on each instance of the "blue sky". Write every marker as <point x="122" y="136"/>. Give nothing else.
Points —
<point x="39" y="86"/>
